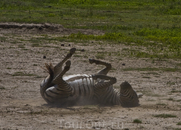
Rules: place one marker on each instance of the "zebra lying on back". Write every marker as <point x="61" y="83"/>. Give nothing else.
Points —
<point x="89" y="89"/>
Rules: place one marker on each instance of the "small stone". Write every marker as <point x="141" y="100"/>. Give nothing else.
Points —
<point x="40" y="28"/>
<point x="82" y="50"/>
<point x="44" y="57"/>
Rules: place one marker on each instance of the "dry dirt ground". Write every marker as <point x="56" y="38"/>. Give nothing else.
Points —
<point x="22" y="107"/>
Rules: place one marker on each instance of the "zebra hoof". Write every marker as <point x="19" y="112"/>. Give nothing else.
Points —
<point x="91" y="61"/>
<point x="72" y="50"/>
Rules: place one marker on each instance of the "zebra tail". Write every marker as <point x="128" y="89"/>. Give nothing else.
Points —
<point x="49" y="69"/>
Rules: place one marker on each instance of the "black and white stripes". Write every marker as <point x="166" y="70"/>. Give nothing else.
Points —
<point x="128" y="96"/>
<point x="85" y="89"/>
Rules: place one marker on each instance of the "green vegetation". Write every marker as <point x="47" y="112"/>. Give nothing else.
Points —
<point x="146" y="77"/>
<point x="161" y="104"/>
<point x="171" y="83"/>
<point x="179" y="123"/>
<point x="153" y="69"/>
<point x="21" y="46"/>
<point x="165" y="116"/>
<point x="2" y="39"/>
<point x="137" y="121"/>
<point x="175" y="91"/>
<point x="22" y="74"/>
<point x="151" y="73"/>
<point x="170" y="99"/>
<point x="35" y="112"/>
<point x="150" y="27"/>
<point x="1" y="87"/>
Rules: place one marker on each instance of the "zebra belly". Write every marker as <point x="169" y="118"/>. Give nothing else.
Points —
<point x="83" y="89"/>
<point x="107" y="96"/>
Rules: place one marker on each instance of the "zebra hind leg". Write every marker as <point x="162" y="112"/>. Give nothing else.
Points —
<point x="98" y="62"/>
<point x="106" y="81"/>
<point x="58" y="67"/>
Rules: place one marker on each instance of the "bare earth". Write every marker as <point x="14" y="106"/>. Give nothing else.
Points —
<point x="22" y="107"/>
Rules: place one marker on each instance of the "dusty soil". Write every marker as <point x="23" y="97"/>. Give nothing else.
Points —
<point x="22" y="107"/>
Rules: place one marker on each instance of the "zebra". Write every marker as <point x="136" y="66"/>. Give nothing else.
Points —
<point x="83" y="88"/>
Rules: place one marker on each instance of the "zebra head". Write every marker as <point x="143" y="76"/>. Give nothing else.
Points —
<point x="128" y="96"/>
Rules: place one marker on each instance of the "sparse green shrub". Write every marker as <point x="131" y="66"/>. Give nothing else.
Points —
<point x="22" y="74"/>
<point x="152" y="36"/>
<point x="76" y="2"/>
<point x="170" y="99"/>
<point x="106" y="36"/>
<point x="179" y="123"/>
<point x="137" y="121"/>
<point x="165" y="116"/>
<point x="1" y="87"/>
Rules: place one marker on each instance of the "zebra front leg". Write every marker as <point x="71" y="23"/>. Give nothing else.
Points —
<point x="58" y="67"/>
<point x="105" y="82"/>
<point x="98" y="62"/>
